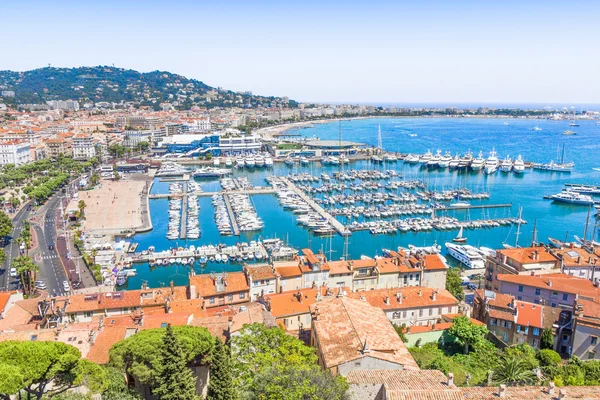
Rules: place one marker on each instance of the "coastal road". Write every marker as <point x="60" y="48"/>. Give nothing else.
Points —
<point x="12" y="250"/>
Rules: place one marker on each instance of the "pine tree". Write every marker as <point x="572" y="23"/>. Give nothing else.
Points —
<point x="175" y="381"/>
<point x="220" y="386"/>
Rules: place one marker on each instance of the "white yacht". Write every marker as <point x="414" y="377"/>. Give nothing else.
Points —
<point x="304" y="161"/>
<point x="492" y="163"/>
<point x="519" y="165"/>
<point x="171" y="169"/>
<point x="250" y="161"/>
<point x="228" y="162"/>
<point x="478" y="163"/>
<point x="445" y="160"/>
<point x="571" y="197"/>
<point x="211" y="172"/>
<point x="268" y="161"/>
<point x="412" y="159"/>
<point x="506" y="164"/>
<point x="424" y="159"/>
<point x="239" y="162"/>
<point x="536" y="128"/>
<point x="216" y="161"/>
<point x="435" y="160"/>
<point x="466" y="160"/>
<point x="260" y="161"/>
<point x="455" y="162"/>
<point x="468" y="255"/>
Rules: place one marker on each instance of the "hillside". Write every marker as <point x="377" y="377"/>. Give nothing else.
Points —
<point x="116" y="85"/>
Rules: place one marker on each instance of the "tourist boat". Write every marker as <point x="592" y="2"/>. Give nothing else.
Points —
<point x="424" y="159"/>
<point x="569" y="132"/>
<point x="492" y="163"/>
<point x="250" y="162"/>
<point x="435" y="160"/>
<point x="519" y="165"/>
<point x="470" y="256"/>
<point x="211" y="172"/>
<point x="455" y="163"/>
<point x="459" y="238"/>
<point x="445" y="160"/>
<point x="506" y="164"/>
<point x="478" y="163"/>
<point x="571" y="197"/>
<point x="228" y="162"/>
<point x="268" y="161"/>
<point x="259" y="160"/>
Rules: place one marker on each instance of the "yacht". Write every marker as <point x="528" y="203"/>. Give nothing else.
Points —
<point x="268" y="161"/>
<point x="390" y="158"/>
<point x="572" y="197"/>
<point x="412" y="159"/>
<point x="506" y="164"/>
<point x="477" y="163"/>
<point x="424" y="159"/>
<point x="569" y="132"/>
<point x="216" y="161"/>
<point x="536" y="128"/>
<point x="492" y="163"/>
<point x="468" y="255"/>
<point x="211" y="172"/>
<point x="376" y="159"/>
<point x="289" y="161"/>
<point x="239" y="162"/>
<point x="435" y="160"/>
<point x="445" y="160"/>
<point x="519" y="165"/>
<point x="228" y="162"/>
<point x="465" y="160"/>
<point x="454" y="163"/>
<point x="250" y="161"/>
<point x="260" y="161"/>
<point x="171" y="169"/>
<point x="304" y="161"/>
<point x="556" y="167"/>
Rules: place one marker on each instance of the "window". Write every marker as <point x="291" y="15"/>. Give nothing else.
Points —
<point x="508" y="324"/>
<point x="242" y="295"/>
<point x="591" y="355"/>
<point x="520" y="289"/>
<point x="518" y="328"/>
<point x="430" y="312"/>
<point x="411" y="277"/>
<point x="87" y="314"/>
<point x="538" y="291"/>
<point x="492" y="321"/>
<point x="553" y="305"/>
<point x="406" y="279"/>
<point x="519" y="298"/>
<point x="417" y="276"/>
<point x="163" y="325"/>
<point x="536" y="332"/>
<point x="212" y="300"/>
<point x="255" y="283"/>
<point x="440" y="311"/>
<point x="526" y="330"/>
<point x="565" y="296"/>
<point x="230" y="297"/>
<point x="420" y="312"/>
<point x="594" y="340"/>
<point x="555" y="294"/>
<point x="403" y="314"/>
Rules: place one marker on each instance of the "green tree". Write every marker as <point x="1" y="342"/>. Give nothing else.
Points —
<point x="466" y="332"/>
<point x="139" y="355"/>
<point x="175" y="380"/>
<point x="117" y="388"/>
<point x="454" y="283"/>
<point x="6" y="225"/>
<point x="524" y="352"/>
<point x="220" y="386"/>
<point x="547" y="339"/>
<point x="27" y="269"/>
<point x="548" y="358"/>
<point x="513" y="371"/>
<point x="46" y="368"/>
<point x="2" y="256"/>
<point x="81" y="206"/>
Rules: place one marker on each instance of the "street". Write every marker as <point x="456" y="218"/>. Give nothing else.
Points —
<point x="12" y="250"/>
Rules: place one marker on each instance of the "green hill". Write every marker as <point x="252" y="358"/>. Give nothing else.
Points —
<point x="117" y="85"/>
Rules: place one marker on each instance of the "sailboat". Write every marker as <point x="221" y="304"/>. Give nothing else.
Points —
<point x="536" y="128"/>
<point x="459" y="238"/>
<point x="556" y="167"/>
<point x="508" y="246"/>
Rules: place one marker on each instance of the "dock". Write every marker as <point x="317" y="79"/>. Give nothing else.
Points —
<point x="183" y="225"/>
<point x="234" y="224"/>
<point x="474" y="207"/>
<point x="266" y="190"/>
<point x="337" y="225"/>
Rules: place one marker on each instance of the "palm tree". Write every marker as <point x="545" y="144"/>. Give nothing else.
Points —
<point x="27" y="269"/>
<point x="514" y="371"/>
<point x="81" y="205"/>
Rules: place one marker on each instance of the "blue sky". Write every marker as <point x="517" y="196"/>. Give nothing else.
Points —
<point x="376" y="51"/>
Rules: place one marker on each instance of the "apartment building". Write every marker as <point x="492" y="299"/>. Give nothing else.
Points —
<point x="261" y="280"/>
<point x="16" y="152"/>
<point x="83" y="147"/>
<point x="578" y="262"/>
<point x="216" y="290"/>
<point x="59" y="146"/>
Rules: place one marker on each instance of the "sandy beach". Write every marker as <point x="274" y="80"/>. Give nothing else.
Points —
<point x="113" y="205"/>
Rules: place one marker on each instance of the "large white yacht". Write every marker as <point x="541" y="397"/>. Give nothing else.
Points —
<point x="424" y="159"/>
<point x="477" y="163"/>
<point x="492" y="163"/>
<point x="445" y="160"/>
<point x="506" y="164"/>
<point x="519" y="165"/>
<point x="470" y="256"/>
<point x="435" y="160"/>
<point x="572" y="197"/>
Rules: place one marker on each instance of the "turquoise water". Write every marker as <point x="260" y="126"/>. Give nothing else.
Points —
<point x="455" y="135"/>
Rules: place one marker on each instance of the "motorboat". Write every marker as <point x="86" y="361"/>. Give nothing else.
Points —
<point x="268" y="161"/>
<point x="250" y="162"/>
<point x="536" y="128"/>
<point x="211" y="172"/>
<point x="519" y="165"/>
<point x="239" y="162"/>
<point x="454" y="163"/>
<point x="424" y="159"/>
<point x="492" y="163"/>
<point x="445" y="160"/>
<point x="572" y="197"/>
<point x="259" y="160"/>
<point x="435" y="160"/>
<point x="216" y="161"/>
<point x="506" y="164"/>
<point x="228" y="162"/>
<point x="304" y="161"/>
<point x="569" y="132"/>
<point x="478" y="163"/>
<point x="468" y="255"/>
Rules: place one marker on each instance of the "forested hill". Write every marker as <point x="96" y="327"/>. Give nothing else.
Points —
<point x="116" y="85"/>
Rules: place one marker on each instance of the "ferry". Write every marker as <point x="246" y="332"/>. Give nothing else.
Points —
<point x="571" y="197"/>
<point x="506" y="165"/>
<point x="492" y="163"/>
<point x="478" y="163"/>
<point x="468" y="255"/>
<point x="210" y="172"/>
<point x="519" y="165"/>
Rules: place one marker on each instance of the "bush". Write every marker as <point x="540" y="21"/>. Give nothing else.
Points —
<point x="548" y="358"/>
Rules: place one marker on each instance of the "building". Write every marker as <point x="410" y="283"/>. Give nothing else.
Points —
<point x="16" y="152"/>
<point x="288" y="274"/>
<point x="261" y="280"/>
<point x="59" y="146"/>
<point x="554" y="290"/>
<point x="519" y="261"/>
<point x="83" y="147"/>
<point x="512" y="321"/>
<point x="218" y="290"/>
<point x="134" y="138"/>
<point x="352" y="335"/>
<point x="578" y="262"/>
<point x="66" y="105"/>
<point x="314" y="268"/>
<point x="410" y="306"/>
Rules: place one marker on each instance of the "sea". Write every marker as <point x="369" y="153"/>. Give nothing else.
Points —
<point x="412" y="135"/>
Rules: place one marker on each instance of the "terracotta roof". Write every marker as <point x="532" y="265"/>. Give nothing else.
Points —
<point x="366" y="263"/>
<point x="442" y="326"/>
<point x="590" y="308"/>
<point x="4" y="296"/>
<point x="289" y="271"/>
<point x="310" y="256"/>
<point x="260" y="272"/>
<point x="530" y="393"/>
<point x="104" y="301"/>
<point x="529" y="314"/>
<point x="410" y="297"/>
<point x="574" y="257"/>
<point x="296" y="302"/>
<point x="339" y="267"/>
<point x="505" y="315"/>
<point x="218" y="325"/>
<point x="206" y="285"/>
<point x="386" y="266"/>
<point x="161" y="320"/>
<point x="525" y="255"/>
<point x="408" y="384"/>
<point x="560" y="282"/>
<point x="105" y="339"/>
<point x="345" y="327"/>
<point x="434" y="262"/>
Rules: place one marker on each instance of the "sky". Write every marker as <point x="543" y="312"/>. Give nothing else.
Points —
<point x="422" y="51"/>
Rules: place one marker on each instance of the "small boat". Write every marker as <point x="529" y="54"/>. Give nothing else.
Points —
<point x="171" y="261"/>
<point x="203" y="260"/>
<point x="224" y="258"/>
<point x="569" y="132"/>
<point x="178" y="260"/>
<point x="536" y="128"/>
<point x="165" y="261"/>
<point x="460" y="204"/>
<point x="258" y="255"/>
<point x="459" y="238"/>
<point x="184" y="261"/>
<point x="211" y="259"/>
<point x="218" y="257"/>
<point x="151" y="249"/>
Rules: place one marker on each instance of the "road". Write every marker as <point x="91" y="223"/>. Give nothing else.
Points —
<point x="12" y="250"/>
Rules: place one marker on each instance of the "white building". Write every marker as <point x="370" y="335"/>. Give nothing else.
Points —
<point x="83" y="147"/>
<point x="14" y="152"/>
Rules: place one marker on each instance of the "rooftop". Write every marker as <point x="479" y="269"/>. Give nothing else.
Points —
<point x="559" y="282"/>
<point x="412" y="297"/>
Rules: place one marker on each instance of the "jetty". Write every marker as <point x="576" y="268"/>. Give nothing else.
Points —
<point x="337" y="225"/>
<point x="263" y="190"/>
<point x="471" y="207"/>
<point x="184" y="203"/>
<point x="234" y="225"/>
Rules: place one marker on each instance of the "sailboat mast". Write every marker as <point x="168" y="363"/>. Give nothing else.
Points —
<point x="518" y="228"/>
<point x="562" y="159"/>
<point x="340" y="149"/>
<point x="533" y="238"/>
<point x="587" y="221"/>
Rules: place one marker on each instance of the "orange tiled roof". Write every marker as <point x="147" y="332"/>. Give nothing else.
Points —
<point x="529" y="314"/>
<point x="574" y="257"/>
<point x="339" y="267"/>
<point x="288" y="271"/>
<point x="559" y="282"/>
<point x="296" y="302"/>
<point x="386" y="266"/>
<point x="260" y="272"/>
<point x="410" y="297"/>
<point x="105" y="339"/>
<point x="205" y="284"/>
<point x="525" y="255"/>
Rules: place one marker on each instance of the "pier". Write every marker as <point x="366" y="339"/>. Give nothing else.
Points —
<point x="337" y="225"/>
<point x="266" y="190"/>
<point x="232" y="218"/>
<point x="473" y="207"/>
<point x="184" y="202"/>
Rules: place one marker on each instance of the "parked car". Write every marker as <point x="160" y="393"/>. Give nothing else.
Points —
<point x="41" y="285"/>
<point x="472" y="286"/>
<point x="66" y="286"/>
<point x="13" y="272"/>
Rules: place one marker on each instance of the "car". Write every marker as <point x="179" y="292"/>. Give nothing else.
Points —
<point x="41" y="285"/>
<point x="66" y="286"/>
<point x="474" y="276"/>
<point x="472" y="286"/>
<point x="51" y="246"/>
<point x="13" y="272"/>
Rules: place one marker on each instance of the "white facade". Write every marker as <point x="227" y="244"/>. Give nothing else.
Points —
<point x="14" y="152"/>
<point x="239" y="144"/>
<point x="83" y="148"/>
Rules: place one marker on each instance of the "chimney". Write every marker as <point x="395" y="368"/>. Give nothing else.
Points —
<point x="450" y="379"/>
<point x="387" y="300"/>
<point x="549" y="282"/>
<point x="399" y="297"/>
<point x="363" y="298"/>
<point x="434" y="295"/>
<point x="562" y="394"/>
<point x="299" y="297"/>
<point x="502" y="391"/>
<point x="192" y="291"/>
<point x="269" y="304"/>
<point x="579" y="260"/>
<point x="420" y="292"/>
<point x="551" y="386"/>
